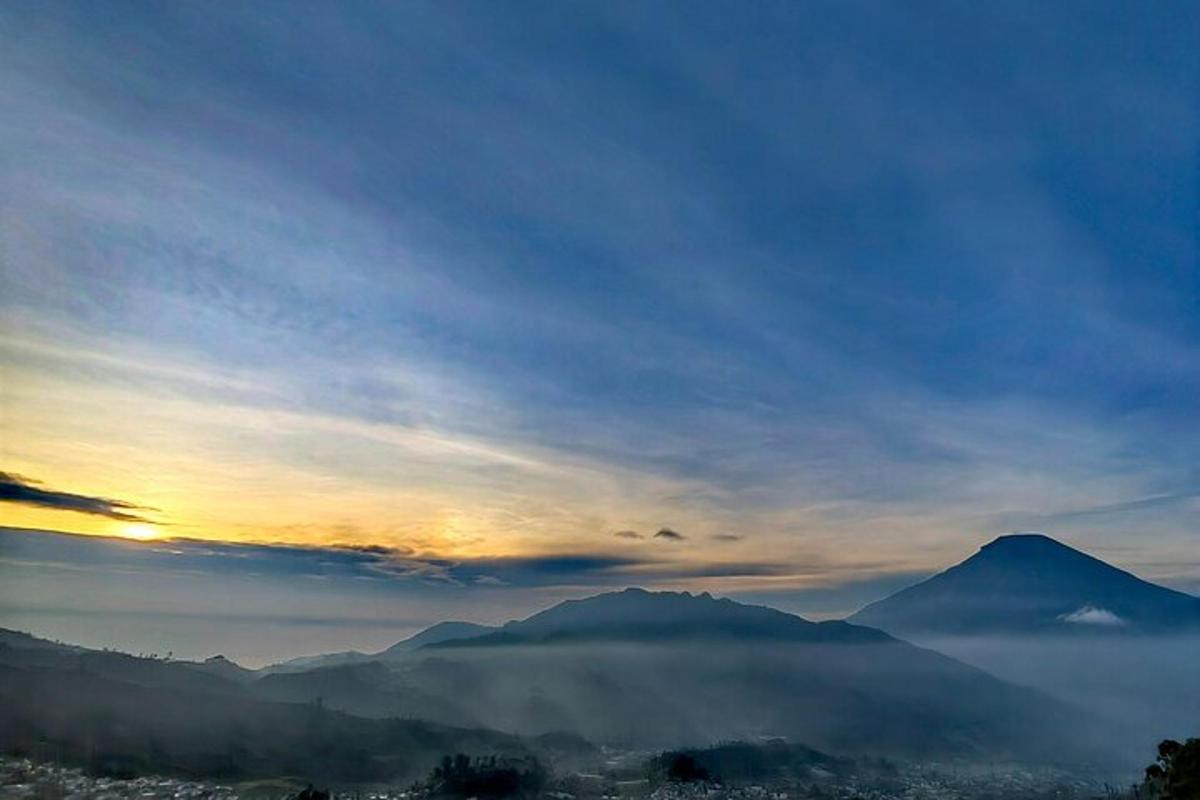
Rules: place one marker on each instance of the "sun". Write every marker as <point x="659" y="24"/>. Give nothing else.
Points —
<point x="141" y="532"/>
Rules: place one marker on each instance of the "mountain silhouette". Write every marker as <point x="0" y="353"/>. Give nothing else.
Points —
<point x="641" y="669"/>
<point x="633" y="614"/>
<point x="1030" y="583"/>
<point x="436" y="634"/>
<point x="639" y="615"/>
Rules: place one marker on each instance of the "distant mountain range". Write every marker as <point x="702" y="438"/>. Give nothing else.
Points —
<point x="630" y="615"/>
<point x="632" y="669"/>
<point x="639" y="615"/>
<point x="1030" y="583"/>
<point x="646" y="669"/>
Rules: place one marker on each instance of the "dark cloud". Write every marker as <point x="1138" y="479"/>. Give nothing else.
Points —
<point x="727" y="537"/>
<point x="383" y="569"/>
<point x="375" y="549"/>
<point x="396" y="567"/>
<point x="574" y="569"/>
<point x="741" y="569"/>
<point x="628" y="535"/>
<point x="19" y="489"/>
<point x="669" y="535"/>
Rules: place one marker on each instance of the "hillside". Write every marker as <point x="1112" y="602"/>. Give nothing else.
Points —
<point x="661" y="669"/>
<point x="117" y="714"/>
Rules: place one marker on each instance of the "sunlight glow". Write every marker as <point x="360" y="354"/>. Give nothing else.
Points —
<point x="142" y="533"/>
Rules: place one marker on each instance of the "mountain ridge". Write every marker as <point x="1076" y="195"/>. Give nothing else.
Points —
<point x="600" y="668"/>
<point x="636" y="614"/>
<point x="641" y="669"/>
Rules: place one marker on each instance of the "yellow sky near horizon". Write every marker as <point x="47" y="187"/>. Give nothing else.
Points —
<point x="122" y="428"/>
<point x="241" y="463"/>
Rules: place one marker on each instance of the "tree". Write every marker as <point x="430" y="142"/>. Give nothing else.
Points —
<point x="685" y="769"/>
<point x="487" y="778"/>
<point x="1175" y="775"/>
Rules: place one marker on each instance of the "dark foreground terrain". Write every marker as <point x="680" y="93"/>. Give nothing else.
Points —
<point x="634" y="779"/>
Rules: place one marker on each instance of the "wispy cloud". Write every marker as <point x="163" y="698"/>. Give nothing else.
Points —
<point x="1166" y="500"/>
<point x="669" y="535"/>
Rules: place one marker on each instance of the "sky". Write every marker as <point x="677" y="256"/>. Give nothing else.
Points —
<point x="357" y="317"/>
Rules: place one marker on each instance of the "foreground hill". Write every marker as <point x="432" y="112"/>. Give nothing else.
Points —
<point x="1029" y="583"/>
<point x="119" y="714"/>
<point x="660" y="669"/>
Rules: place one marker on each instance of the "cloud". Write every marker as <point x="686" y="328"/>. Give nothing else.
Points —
<point x="381" y="568"/>
<point x="19" y="489"/>
<point x="628" y="535"/>
<point x="669" y="535"/>
<point x="736" y="569"/>
<point x="727" y="537"/>
<point x="396" y="568"/>
<point x="1091" y="615"/>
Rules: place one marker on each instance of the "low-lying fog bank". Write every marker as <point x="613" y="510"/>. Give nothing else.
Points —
<point x="1150" y="684"/>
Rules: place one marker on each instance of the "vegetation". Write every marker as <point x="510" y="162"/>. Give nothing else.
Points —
<point x="742" y="762"/>
<point x="104" y="726"/>
<point x="1175" y="775"/>
<point x="309" y="793"/>
<point x="489" y="777"/>
<point x="684" y="769"/>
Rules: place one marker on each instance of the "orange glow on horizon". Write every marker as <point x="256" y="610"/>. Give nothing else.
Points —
<point x="140" y="531"/>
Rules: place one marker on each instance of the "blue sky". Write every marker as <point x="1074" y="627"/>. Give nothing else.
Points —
<point x="860" y="284"/>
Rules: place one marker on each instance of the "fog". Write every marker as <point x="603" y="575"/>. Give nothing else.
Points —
<point x="251" y="641"/>
<point x="1148" y="686"/>
<point x="877" y="698"/>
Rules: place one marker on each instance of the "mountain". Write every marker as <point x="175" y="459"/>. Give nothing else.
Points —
<point x="637" y="615"/>
<point x="644" y="670"/>
<point x="1030" y="583"/>
<point x="436" y="634"/>
<point x="633" y="669"/>
<point x="630" y="615"/>
<point x="304" y="663"/>
<point x="119" y="714"/>
<point x="222" y="667"/>
<point x="21" y="641"/>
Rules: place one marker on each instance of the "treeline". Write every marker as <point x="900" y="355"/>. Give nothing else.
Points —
<point x="743" y="762"/>
<point x="1175" y="775"/>
<point x="121" y="729"/>
<point x="488" y="778"/>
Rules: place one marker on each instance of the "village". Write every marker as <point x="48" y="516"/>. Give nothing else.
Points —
<point x="22" y="779"/>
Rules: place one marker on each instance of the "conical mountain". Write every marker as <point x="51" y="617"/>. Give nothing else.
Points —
<point x="1025" y="583"/>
